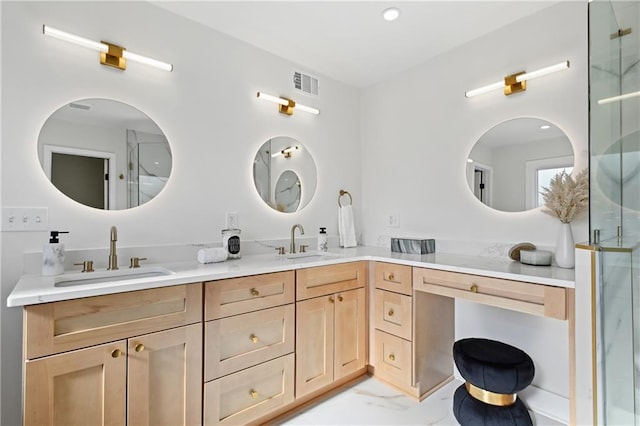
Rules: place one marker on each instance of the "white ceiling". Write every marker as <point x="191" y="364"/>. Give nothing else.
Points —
<point x="348" y="40"/>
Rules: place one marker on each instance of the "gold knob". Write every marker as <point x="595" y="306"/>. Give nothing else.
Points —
<point x="473" y="288"/>
<point x="391" y="277"/>
<point x="255" y="292"/>
<point x="116" y="353"/>
<point x="254" y="393"/>
<point x="390" y="312"/>
<point x="331" y="300"/>
<point x="340" y="299"/>
<point x="392" y="357"/>
<point x="254" y="338"/>
<point x="139" y="347"/>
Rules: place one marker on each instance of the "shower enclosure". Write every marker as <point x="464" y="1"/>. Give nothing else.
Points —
<point x="614" y="147"/>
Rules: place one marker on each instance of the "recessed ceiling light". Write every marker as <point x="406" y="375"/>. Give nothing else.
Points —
<point x="545" y="127"/>
<point x="391" y="14"/>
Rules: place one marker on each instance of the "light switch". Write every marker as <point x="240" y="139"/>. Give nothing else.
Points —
<point x="24" y="219"/>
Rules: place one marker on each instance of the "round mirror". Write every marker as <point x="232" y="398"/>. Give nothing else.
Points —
<point x="288" y="189"/>
<point x="104" y="154"/>
<point x="616" y="171"/>
<point x="284" y="174"/>
<point x="511" y="163"/>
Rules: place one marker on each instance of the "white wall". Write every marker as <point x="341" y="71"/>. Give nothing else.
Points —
<point x="418" y="129"/>
<point x="208" y="110"/>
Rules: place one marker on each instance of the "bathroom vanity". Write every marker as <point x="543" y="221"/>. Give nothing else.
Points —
<point x="246" y="341"/>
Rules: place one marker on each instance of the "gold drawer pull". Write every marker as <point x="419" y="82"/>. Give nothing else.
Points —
<point x="254" y="393"/>
<point x="254" y="292"/>
<point x="391" y="277"/>
<point x="331" y="300"/>
<point x="139" y="347"/>
<point x="473" y="288"/>
<point x="116" y="353"/>
<point x="254" y="338"/>
<point x="392" y="357"/>
<point x="390" y="312"/>
<point x="340" y="299"/>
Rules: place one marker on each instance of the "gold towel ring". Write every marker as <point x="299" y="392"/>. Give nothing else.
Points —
<point x="343" y="192"/>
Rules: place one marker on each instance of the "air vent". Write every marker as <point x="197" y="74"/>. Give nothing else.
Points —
<point x="305" y="83"/>
<point x="80" y="106"/>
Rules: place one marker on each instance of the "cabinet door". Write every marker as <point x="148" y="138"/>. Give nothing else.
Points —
<point x="314" y="344"/>
<point x="350" y="330"/>
<point x="165" y="377"/>
<point x="83" y="387"/>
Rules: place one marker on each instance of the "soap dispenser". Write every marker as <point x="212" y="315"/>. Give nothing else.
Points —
<point x="53" y="255"/>
<point x="322" y="239"/>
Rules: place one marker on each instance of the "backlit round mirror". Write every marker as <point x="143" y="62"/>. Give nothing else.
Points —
<point x="104" y="154"/>
<point x="511" y="163"/>
<point x="284" y="174"/>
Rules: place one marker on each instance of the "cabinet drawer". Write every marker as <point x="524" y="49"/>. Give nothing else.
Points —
<point x="393" y="313"/>
<point x="72" y="324"/>
<point x="246" y="294"/>
<point x="393" y="358"/>
<point x="235" y="343"/>
<point x="389" y="276"/>
<point x="323" y="280"/>
<point x="536" y="299"/>
<point x="249" y="394"/>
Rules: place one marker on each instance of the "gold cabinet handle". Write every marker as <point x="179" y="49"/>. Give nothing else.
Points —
<point x="391" y="277"/>
<point x="255" y="292"/>
<point x="331" y="300"/>
<point x="116" y="353"/>
<point x="390" y="312"/>
<point x="473" y="288"/>
<point x="139" y="347"/>
<point x="392" y="357"/>
<point x="254" y="338"/>
<point x="340" y="298"/>
<point x="254" y="393"/>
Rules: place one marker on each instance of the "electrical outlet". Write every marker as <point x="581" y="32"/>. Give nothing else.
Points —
<point x="232" y="220"/>
<point x="21" y="219"/>
<point x="393" y="220"/>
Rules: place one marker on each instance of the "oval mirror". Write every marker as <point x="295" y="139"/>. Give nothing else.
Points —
<point x="511" y="163"/>
<point x="104" y="154"/>
<point x="288" y="190"/>
<point x="284" y="174"/>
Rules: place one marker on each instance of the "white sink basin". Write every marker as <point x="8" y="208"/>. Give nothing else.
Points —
<point x="97" y="277"/>
<point x="310" y="255"/>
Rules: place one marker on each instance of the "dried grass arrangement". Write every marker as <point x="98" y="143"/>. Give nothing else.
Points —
<point x="566" y="197"/>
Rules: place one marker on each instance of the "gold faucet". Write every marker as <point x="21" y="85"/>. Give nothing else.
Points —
<point x="113" y="257"/>
<point x="292" y="249"/>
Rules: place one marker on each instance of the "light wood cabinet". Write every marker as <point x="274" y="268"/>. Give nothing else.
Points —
<point x="82" y="387"/>
<point x="331" y="334"/>
<point x="156" y="376"/>
<point x="249" y="344"/>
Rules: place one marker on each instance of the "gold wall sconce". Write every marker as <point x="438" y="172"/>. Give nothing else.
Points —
<point x="286" y="105"/>
<point x="110" y="54"/>
<point x="287" y="152"/>
<point x="517" y="82"/>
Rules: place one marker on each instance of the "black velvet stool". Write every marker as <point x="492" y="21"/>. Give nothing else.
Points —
<point x="494" y="373"/>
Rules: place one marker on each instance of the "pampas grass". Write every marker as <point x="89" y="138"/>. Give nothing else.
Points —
<point x="565" y="197"/>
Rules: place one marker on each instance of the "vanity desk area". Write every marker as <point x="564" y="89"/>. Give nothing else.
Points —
<point x="270" y="333"/>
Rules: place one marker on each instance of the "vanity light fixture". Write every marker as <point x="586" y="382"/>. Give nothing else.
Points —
<point x="110" y="54"/>
<point x="619" y="98"/>
<point x="286" y="106"/>
<point x="517" y="82"/>
<point x="286" y="152"/>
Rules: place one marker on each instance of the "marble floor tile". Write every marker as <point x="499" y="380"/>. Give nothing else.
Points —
<point x="371" y="402"/>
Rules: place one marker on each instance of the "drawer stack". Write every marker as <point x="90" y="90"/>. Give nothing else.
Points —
<point x="249" y="345"/>
<point x="393" y="323"/>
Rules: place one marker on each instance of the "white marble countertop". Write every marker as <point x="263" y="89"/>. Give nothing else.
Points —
<point x="34" y="289"/>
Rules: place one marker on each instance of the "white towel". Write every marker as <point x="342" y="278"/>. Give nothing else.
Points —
<point x="346" y="227"/>
<point x="211" y="255"/>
